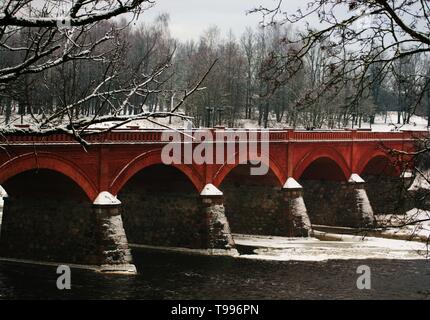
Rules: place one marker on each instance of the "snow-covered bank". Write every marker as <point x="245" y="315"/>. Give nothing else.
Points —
<point x="415" y="225"/>
<point x="345" y="248"/>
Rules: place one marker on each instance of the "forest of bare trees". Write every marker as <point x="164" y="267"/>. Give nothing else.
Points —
<point x="112" y="69"/>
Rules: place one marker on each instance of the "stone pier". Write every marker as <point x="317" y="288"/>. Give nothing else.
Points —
<point x="115" y="255"/>
<point x="360" y="210"/>
<point x="295" y="209"/>
<point x="3" y="195"/>
<point x="219" y="238"/>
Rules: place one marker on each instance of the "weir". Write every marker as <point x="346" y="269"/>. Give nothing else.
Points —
<point x="63" y="204"/>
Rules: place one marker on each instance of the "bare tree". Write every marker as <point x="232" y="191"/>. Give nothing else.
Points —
<point x="247" y="42"/>
<point x="358" y="34"/>
<point x="41" y="38"/>
<point x="55" y="31"/>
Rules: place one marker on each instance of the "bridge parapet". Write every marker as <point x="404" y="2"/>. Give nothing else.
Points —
<point x="229" y="135"/>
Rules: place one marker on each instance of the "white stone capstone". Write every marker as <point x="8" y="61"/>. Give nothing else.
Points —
<point x="106" y="199"/>
<point x="407" y="174"/>
<point x="3" y="193"/>
<point x="355" y="178"/>
<point x="210" y="191"/>
<point x="291" y="183"/>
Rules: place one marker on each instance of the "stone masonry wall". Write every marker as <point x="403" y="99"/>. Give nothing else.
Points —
<point x="47" y="217"/>
<point x="161" y="207"/>
<point x="331" y="203"/>
<point x="388" y="195"/>
<point x="254" y="209"/>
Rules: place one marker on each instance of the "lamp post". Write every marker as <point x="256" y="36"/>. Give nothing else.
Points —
<point x="220" y="111"/>
<point x="209" y="112"/>
<point x="354" y="115"/>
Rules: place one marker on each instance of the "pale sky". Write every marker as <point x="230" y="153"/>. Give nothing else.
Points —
<point x="189" y="18"/>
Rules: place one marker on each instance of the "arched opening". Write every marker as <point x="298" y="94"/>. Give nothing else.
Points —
<point x="47" y="216"/>
<point x="324" y="193"/>
<point x="386" y="190"/>
<point x="253" y="204"/>
<point x="380" y="166"/>
<point x="48" y="161"/>
<point x="161" y="207"/>
<point x="323" y="169"/>
<point x="148" y="159"/>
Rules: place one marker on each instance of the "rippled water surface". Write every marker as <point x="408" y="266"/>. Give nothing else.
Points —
<point x="179" y="276"/>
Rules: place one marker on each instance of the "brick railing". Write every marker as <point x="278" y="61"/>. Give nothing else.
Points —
<point x="275" y="135"/>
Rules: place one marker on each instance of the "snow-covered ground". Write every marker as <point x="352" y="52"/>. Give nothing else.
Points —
<point x="383" y="123"/>
<point x="176" y="122"/>
<point x="421" y="181"/>
<point x="344" y="248"/>
<point x="409" y="229"/>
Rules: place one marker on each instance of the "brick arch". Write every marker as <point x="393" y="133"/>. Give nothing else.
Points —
<point x="372" y="155"/>
<point x="49" y="161"/>
<point x="222" y="173"/>
<point x="145" y="160"/>
<point x="318" y="153"/>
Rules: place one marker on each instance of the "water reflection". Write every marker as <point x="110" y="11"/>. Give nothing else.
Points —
<point x="179" y="276"/>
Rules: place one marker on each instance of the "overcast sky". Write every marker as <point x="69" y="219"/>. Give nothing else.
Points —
<point x="188" y="18"/>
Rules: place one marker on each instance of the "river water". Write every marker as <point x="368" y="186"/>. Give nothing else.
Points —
<point x="183" y="276"/>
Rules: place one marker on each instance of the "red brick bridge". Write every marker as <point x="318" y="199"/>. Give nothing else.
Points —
<point x="52" y="186"/>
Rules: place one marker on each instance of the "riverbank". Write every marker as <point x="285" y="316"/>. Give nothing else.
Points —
<point x="329" y="246"/>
